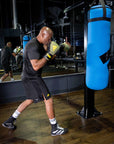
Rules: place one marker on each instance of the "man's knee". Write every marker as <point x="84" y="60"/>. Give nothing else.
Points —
<point x="29" y="101"/>
<point x="6" y="74"/>
<point x="49" y="101"/>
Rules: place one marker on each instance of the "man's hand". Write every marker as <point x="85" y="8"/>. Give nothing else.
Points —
<point x="66" y="45"/>
<point x="54" y="47"/>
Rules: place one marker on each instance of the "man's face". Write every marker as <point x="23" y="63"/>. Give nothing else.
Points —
<point x="46" y="39"/>
<point x="9" y="44"/>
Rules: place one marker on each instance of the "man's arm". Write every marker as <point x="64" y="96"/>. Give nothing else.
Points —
<point x="13" y="54"/>
<point x="37" y="64"/>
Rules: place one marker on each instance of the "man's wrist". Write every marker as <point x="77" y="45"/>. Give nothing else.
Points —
<point x="48" y="56"/>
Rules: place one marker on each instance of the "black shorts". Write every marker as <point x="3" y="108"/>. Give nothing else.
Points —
<point x="6" y="67"/>
<point x="35" y="88"/>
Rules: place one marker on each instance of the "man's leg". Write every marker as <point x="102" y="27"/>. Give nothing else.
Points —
<point x="6" y="68"/>
<point x="24" y="105"/>
<point x="56" y="130"/>
<point x="11" y="75"/>
<point x="9" y="123"/>
<point x="49" y="108"/>
<point x="4" y="77"/>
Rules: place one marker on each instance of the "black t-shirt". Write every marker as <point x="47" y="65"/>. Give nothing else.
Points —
<point x="33" y="50"/>
<point x="6" y="55"/>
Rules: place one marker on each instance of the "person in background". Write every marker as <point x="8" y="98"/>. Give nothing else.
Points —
<point x="6" y="55"/>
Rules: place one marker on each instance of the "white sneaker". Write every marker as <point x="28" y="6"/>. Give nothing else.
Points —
<point x="57" y="130"/>
<point x="12" y="79"/>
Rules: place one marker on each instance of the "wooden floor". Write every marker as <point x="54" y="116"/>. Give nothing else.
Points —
<point x="33" y="126"/>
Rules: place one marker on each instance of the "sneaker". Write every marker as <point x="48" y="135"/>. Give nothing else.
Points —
<point x="12" y="79"/>
<point x="58" y="130"/>
<point x="9" y="123"/>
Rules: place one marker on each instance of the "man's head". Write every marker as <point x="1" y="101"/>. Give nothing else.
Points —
<point x="9" y="44"/>
<point x="45" y="35"/>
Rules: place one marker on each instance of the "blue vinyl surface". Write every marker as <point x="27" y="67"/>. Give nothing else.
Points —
<point x="97" y="73"/>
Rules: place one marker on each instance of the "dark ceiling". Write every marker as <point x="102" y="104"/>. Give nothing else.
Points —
<point x="31" y="12"/>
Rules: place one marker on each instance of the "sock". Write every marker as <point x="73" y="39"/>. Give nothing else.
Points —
<point x="0" y="80"/>
<point x="16" y="114"/>
<point x="12" y="79"/>
<point x="53" y="121"/>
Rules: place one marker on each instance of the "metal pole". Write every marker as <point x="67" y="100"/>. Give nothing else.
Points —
<point x="14" y="14"/>
<point x="74" y="32"/>
<point x="85" y="32"/>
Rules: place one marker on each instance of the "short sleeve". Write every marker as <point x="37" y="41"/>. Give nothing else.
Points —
<point x="33" y="52"/>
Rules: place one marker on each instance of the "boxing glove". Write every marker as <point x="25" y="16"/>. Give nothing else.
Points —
<point x="66" y="46"/>
<point x="54" y="47"/>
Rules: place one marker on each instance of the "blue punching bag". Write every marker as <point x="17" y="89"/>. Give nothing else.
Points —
<point x="98" y="48"/>
<point x="26" y="38"/>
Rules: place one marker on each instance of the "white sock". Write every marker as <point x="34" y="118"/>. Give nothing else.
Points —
<point x="16" y="114"/>
<point x="53" y="121"/>
<point x="0" y="80"/>
<point x="12" y="79"/>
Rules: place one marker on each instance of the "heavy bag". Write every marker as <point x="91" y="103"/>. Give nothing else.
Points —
<point x="98" y="47"/>
<point x="26" y="38"/>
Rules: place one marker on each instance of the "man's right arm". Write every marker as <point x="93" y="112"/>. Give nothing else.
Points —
<point x="37" y="64"/>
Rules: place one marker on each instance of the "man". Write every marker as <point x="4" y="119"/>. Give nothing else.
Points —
<point x="36" y="55"/>
<point x="6" y="55"/>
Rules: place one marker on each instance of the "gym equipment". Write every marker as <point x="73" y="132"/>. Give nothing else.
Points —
<point x="98" y="48"/>
<point x="97" y="56"/>
<point x="26" y="38"/>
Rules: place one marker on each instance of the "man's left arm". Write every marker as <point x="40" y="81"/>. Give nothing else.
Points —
<point x="13" y="54"/>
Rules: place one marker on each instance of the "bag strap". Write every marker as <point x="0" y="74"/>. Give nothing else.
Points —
<point x="104" y="7"/>
<point x="102" y="2"/>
